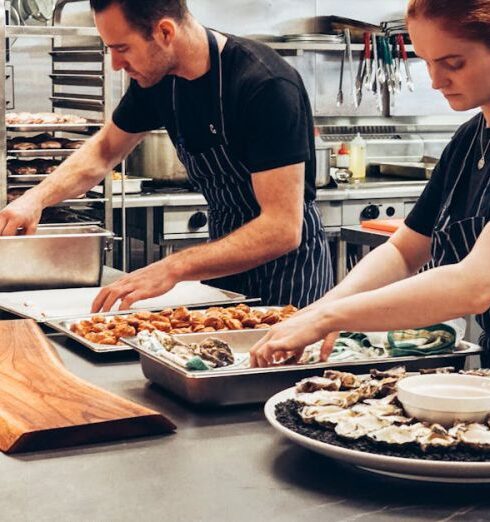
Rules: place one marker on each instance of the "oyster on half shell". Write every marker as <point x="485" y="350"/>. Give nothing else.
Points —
<point x="359" y="426"/>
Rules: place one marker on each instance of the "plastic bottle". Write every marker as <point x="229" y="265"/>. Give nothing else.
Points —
<point x="343" y="174"/>
<point x="357" y="163"/>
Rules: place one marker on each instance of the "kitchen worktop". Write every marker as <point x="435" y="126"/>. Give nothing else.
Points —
<point x="221" y="465"/>
<point x="365" y="190"/>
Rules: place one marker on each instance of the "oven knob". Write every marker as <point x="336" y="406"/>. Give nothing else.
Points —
<point x="390" y="211"/>
<point x="370" y="212"/>
<point x="198" y="220"/>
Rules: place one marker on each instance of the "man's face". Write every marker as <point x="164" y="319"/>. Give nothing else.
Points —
<point x="456" y="66"/>
<point x="144" y="60"/>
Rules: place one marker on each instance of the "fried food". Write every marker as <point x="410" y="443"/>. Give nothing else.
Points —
<point x="109" y="330"/>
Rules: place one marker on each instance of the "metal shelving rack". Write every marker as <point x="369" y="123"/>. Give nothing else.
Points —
<point x="73" y="67"/>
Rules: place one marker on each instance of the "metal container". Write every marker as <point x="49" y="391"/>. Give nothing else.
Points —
<point x="413" y="170"/>
<point x="54" y="257"/>
<point x="323" y="164"/>
<point x="221" y="387"/>
<point x="156" y="158"/>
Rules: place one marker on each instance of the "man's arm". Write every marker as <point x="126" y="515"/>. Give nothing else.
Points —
<point x="401" y="256"/>
<point x="276" y="231"/>
<point x="80" y="172"/>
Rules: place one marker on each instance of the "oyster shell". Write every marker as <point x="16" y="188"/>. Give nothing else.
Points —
<point x="474" y="435"/>
<point x="326" y="398"/>
<point x="309" y="414"/>
<point x="444" y="369"/>
<point x="436" y="437"/>
<point x="316" y="383"/>
<point x="215" y="351"/>
<point x="348" y="380"/>
<point x="359" y="426"/>
<point x="399" y="435"/>
<point x="398" y="371"/>
<point x="482" y="372"/>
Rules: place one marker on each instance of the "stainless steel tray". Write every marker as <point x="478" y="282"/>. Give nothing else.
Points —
<point x="64" y="325"/>
<point x="224" y="387"/>
<point x="74" y="303"/>
<point x="58" y="257"/>
<point x="37" y="127"/>
<point x="37" y="153"/>
<point x="416" y="170"/>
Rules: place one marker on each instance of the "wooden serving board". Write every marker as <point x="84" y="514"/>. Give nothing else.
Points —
<point x="44" y="406"/>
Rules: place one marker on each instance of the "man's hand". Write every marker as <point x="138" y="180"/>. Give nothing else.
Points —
<point x="290" y="338"/>
<point x="23" y="213"/>
<point x="147" y="282"/>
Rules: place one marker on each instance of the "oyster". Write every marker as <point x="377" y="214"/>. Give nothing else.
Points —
<point x="309" y="414"/>
<point x="359" y="426"/>
<point x="436" y="437"/>
<point x="215" y="351"/>
<point x="398" y="371"/>
<point x="377" y="407"/>
<point x="482" y="372"/>
<point x="444" y="369"/>
<point x="348" y="380"/>
<point x="325" y="415"/>
<point x="316" y="383"/>
<point x="343" y="399"/>
<point x="167" y="341"/>
<point x="398" y="435"/>
<point x="474" y="435"/>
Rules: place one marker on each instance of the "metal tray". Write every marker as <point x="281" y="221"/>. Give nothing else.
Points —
<point x="225" y="387"/>
<point x="63" y="325"/>
<point x="416" y="170"/>
<point x="74" y="303"/>
<point x="37" y="153"/>
<point x="33" y="262"/>
<point x="36" y="127"/>
<point x="25" y="178"/>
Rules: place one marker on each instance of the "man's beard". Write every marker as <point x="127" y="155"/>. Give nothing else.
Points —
<point x="159" y="67"/>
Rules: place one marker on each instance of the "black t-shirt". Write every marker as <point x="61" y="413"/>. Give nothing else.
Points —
<point x="468" y="191"/>
<point x="267" y="114"/>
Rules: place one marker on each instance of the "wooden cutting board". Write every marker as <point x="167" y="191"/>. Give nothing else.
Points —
<point x="44" y="406"/>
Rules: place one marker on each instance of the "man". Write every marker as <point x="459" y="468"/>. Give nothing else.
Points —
<point x="241" y="121"/>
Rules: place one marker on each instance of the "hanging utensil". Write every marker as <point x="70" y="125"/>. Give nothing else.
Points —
<point x="340" y="94"/>
<point x="403" y="52"/>
<point x="395" y="54"/>
<point x="361" y="71"/>
<point x="379" y="61"/>
<point x="348" y="46"/>
<point x="379" y="103"/>
<point x="367" y="57"/>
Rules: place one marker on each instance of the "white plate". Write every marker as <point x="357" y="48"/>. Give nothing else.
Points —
<point x="413" y="469"/>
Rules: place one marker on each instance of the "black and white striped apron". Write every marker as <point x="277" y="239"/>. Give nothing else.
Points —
<point x="452" y="240"/>
<point x="299" y="277"/>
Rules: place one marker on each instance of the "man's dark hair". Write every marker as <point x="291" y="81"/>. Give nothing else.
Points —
<point x="143" y="14"/>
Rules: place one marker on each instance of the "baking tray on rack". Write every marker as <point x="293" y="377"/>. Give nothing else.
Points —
<point x="35" y="127"/>
<point x="233" y="386"/>
<point x="25" y="178"/>
<point x="38" y="153"/>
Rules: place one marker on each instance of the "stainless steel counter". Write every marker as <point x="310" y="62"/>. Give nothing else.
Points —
<point x="223" y="465"/>
<point x="350" y="192"/>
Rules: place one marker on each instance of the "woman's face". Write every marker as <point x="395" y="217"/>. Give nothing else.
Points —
<point x="458" y="68"/>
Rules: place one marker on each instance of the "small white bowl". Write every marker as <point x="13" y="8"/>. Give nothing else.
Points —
<point x="445" y="398"/>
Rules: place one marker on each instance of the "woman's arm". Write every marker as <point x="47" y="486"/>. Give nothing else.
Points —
<point x="436" y="295"/>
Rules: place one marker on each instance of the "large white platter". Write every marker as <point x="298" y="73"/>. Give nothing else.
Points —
<point x="407" y="468"/>
<point x="46" y="305"/>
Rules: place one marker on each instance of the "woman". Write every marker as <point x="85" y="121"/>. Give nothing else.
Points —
<point x="450" y="223"/>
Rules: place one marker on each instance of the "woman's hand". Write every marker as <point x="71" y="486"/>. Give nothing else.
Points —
<point x="290" y="338"/>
